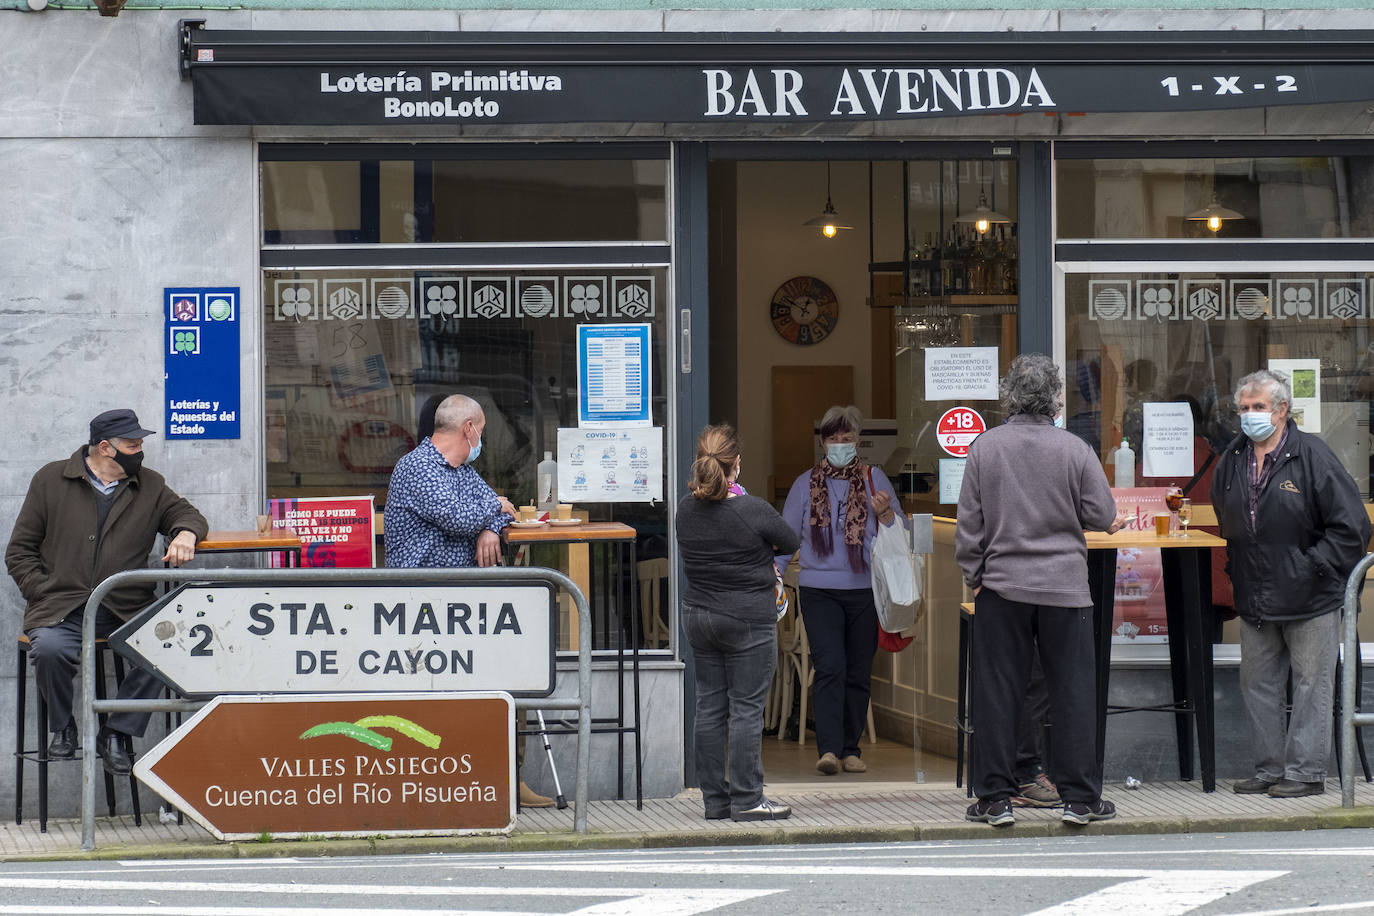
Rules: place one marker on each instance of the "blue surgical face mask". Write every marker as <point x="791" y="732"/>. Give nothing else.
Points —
<point x="474" y="451"/>
<point x="839" y="454"/>
<point x="1258" y="426"/>
<point x="1059" y="420"/>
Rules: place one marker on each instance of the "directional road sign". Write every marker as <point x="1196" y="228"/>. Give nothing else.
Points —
<point x="356" y="765"/>
<point x="207" y="640"/>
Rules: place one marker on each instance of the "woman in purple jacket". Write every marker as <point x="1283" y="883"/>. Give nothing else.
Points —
<point x="836" y="508"/>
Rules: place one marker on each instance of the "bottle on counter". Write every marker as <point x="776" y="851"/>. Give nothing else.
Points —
<point x="547" y="494"/>
<point x="1125" y="465"/>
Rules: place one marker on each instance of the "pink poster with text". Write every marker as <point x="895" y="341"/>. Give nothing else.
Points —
<point x="1138" y="591"/>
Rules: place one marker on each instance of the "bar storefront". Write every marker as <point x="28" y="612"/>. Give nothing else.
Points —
<point x="1163" y="214"/>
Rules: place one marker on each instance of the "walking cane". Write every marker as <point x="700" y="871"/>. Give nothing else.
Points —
<point x="559" y="801"/>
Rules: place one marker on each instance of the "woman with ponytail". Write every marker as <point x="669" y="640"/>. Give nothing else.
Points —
<point x="836" y="508"/>
<point x="727" y="541"/>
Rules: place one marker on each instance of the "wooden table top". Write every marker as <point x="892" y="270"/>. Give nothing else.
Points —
<point x="278" y="539"/>
<point x="1098" y="540"/>
<point x="562" y="534"/>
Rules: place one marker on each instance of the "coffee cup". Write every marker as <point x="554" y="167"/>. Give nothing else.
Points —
<point x="564" y="511"/>
<point x="528" y="513"/>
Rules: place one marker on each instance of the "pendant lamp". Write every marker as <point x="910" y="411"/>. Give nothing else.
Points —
<point x="1214" y="214"/>
<point x="829" y="222"/>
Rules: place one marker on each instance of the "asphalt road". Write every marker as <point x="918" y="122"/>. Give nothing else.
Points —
<point x="1256" y="874"/>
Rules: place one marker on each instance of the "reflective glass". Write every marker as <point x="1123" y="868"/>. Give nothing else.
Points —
<point x="1291" y="198"/>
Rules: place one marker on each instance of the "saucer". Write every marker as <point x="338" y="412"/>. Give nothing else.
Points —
<point x="565" y="522"/>
<point x="533" y="523"/>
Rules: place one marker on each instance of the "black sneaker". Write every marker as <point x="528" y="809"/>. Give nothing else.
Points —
<point x="995" y="813"/>
<point x="1081" y="813"/>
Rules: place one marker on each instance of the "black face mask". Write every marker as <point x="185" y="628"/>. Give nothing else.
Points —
<point x="130" y="463"/>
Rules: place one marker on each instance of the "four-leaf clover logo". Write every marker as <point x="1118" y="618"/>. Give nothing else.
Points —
<point x="184" y="342"/>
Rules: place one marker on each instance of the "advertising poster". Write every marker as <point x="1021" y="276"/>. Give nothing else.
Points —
<point x="201" y="362"/>
<point x="1138" y="591"/>
<point x="335" y="531"/>
<point x="961" y="374"/>
<point x="1305" y="378"/>
<point x="610" y="465"/>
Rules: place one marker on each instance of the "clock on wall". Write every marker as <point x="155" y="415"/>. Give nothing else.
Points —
<point x="805" y="310"/>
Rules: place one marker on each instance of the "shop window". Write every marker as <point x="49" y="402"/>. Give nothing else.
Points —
<point x="1306" y="197"/>
<point x="352" y="354"/>
<point x="949" y="229"/>
<point x="1144" y="338"/>
<point x="402" y="201"/>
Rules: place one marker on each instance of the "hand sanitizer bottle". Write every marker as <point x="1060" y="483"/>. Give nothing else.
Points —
<point x="548" y="483"/>
<point x="1125" y="465"/>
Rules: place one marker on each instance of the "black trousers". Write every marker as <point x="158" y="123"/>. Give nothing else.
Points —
<point x="1030" y="735"/>
<point x="1004" y="641"/>
<point x="56" y="655"/>
<point x="842" y="628"/>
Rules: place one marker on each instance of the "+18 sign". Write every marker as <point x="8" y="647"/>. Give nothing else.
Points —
<point x="225" y="639"/>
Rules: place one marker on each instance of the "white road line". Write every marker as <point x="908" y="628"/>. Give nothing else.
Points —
<point x="1163" y="894"/>
<point x="1316" y="908"/>
<point x="625" y="902"/>
<point x="661" y="903"/>
<point x="874" y="871"/>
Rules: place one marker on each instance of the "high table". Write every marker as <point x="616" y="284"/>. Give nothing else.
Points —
<point x="577" y="538"/>
<point x="1188" y="602"/>
<point x="280" y="540"/>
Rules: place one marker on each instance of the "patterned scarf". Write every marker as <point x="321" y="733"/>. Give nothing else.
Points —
<point x="855" y="511"/>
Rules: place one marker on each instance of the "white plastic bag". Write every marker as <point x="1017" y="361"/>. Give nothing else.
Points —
<point x="896" y="574"/>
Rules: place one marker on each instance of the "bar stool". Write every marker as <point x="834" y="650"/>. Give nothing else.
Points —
<point x="963" y="728"/>
<point x="39" y="753"/>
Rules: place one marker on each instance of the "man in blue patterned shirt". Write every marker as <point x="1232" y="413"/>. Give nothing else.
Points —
<point x="441" y="513"/>
<point x="439" y="510"/>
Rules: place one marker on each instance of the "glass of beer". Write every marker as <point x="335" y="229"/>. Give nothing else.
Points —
<point x="1162" y="524"/>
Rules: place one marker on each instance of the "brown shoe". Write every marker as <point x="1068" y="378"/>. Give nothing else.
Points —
<point x="854" y="764"/>
<point x="532" y="799"/>
<point x="828" y="765"/>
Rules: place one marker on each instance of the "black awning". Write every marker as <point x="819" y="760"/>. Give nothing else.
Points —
<point x="380" y="78"/>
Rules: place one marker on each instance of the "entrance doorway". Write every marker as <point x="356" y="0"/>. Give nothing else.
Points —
<point x="924" y="255"/>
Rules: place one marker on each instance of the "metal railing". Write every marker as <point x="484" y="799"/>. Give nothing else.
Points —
<point x="91" y="707"/>
<point x="1350" y="715"/>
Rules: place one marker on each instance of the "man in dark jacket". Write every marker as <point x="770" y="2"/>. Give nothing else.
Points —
<point x="84" y="519"/>
<point x="1294" y="528"/>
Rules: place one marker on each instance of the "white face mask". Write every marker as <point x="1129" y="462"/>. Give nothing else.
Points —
<point x="840" y="454"/>
<point x="1059" y="420"/>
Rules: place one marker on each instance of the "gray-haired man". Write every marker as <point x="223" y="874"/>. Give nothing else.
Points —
<point x="1294" y="527"/>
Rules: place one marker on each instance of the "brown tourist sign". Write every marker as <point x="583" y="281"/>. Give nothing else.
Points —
<point x="341" y="765"/>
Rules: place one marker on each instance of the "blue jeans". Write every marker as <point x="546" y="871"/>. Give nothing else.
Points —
<point x="1300" y="748"/>
<point x="734" y="661"/>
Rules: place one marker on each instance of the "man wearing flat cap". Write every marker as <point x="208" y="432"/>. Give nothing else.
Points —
<point x="84" y="519"/>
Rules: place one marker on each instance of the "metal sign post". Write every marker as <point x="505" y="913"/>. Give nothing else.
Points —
<point x="1350" y="644"/>
<point x="315" y="579"/>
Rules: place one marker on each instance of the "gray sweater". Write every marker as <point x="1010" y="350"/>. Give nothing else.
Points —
<point x="1029" y="491"/>
<point x="727" y="550"/>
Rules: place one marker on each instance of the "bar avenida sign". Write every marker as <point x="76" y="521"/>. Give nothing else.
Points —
<point x="222" y="639"/>
<point x="305" y="77"/>
<point x="898" y="90"/>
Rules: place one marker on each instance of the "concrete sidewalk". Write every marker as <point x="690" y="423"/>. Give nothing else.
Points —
<point x="822" y="812"/>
